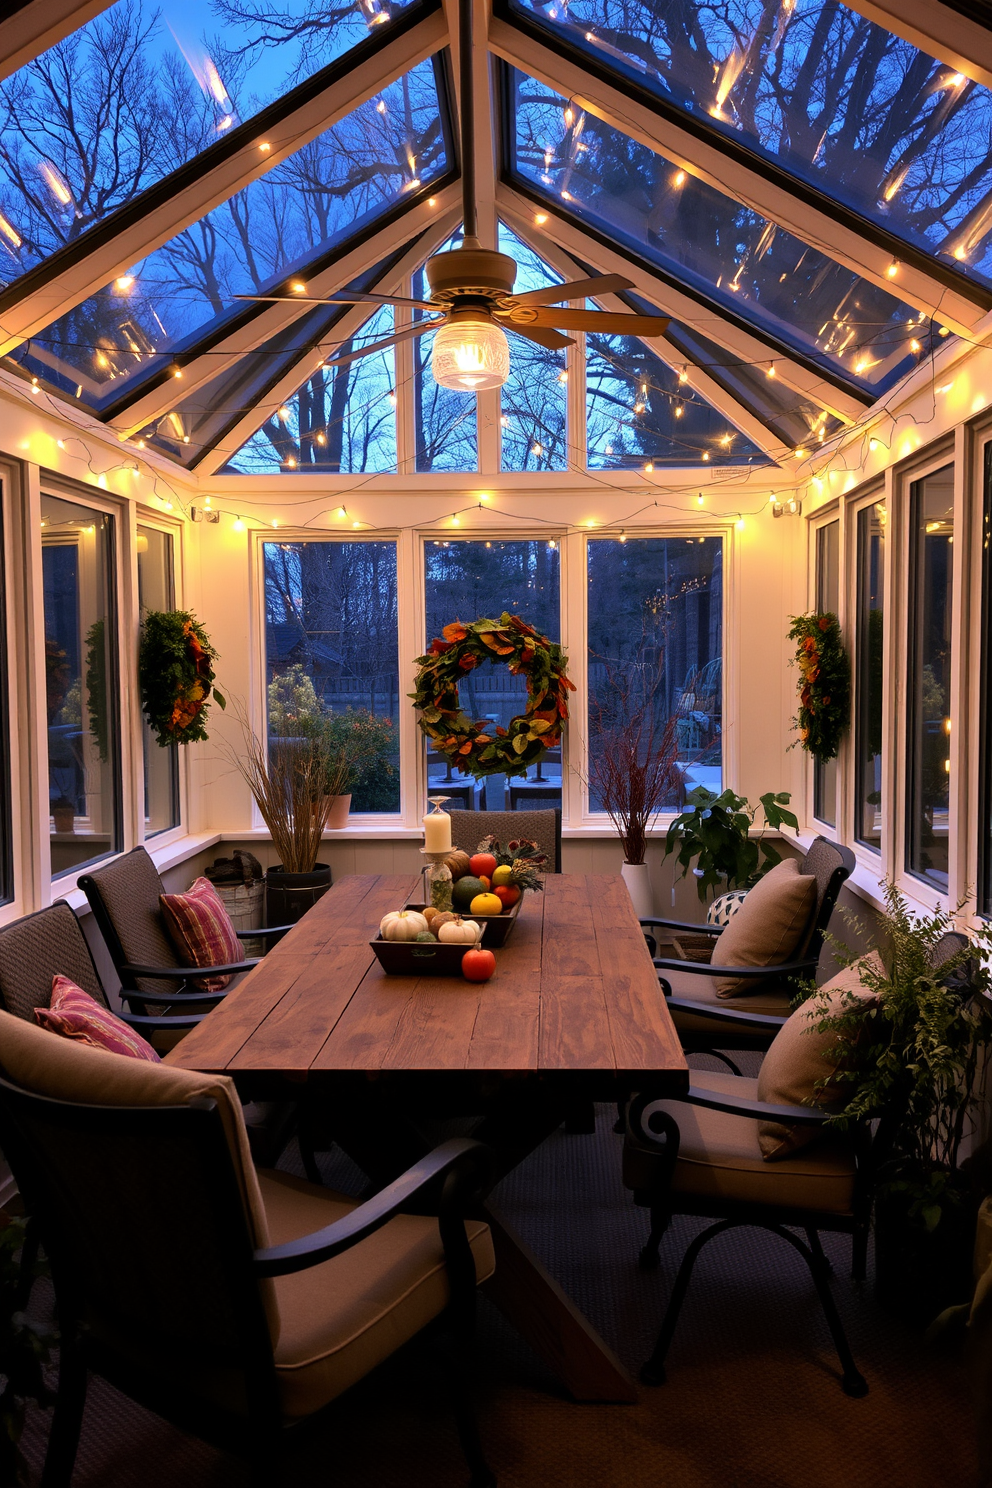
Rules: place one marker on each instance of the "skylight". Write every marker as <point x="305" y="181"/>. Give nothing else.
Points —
<point x="820" y="90"/>
<point x="533" y="399"/>
<point x="141" y="90"/>
<point x="280" y="224"/>
<point x="709" y="243"/>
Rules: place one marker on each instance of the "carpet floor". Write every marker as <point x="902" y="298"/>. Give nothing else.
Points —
<point x="753" y="1399"/>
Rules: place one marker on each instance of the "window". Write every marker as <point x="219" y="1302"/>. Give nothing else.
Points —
<point x="284" y="222"/>
<point x="533" y="432"/>
<point x="709" y="243"/>
<point x="656" y="638"/>
<point x="332" y="655"/>
<point x="342" y="419"/>
<point x="81" y="683"/>
<point x="156" y="591"/>
<point x="928" y="779"/>
<point x="139" y="91"/>
<point x="466" y="580"/>
<point x="6" y="829"/>
<point x="823" y="92"/>
<point x="827" y="602"/>
<point x="445" y="422"/>
<point x="868" y="696"/>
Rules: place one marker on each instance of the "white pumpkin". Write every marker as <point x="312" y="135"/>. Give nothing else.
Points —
<point x="459" y="932"/>
<point x="402" y="924"/>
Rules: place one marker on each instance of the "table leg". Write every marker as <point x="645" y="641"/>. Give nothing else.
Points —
<point x="531" y="1299"/>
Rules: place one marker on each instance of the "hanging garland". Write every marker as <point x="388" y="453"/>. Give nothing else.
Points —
<point x="480" y="749"/>
<point x="176" y="675"/>
<point x="824" y="684"/>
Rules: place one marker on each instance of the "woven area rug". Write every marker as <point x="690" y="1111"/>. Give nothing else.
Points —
<point x="753" y="1399"/>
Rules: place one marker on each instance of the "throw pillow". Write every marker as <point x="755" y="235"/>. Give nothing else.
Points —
<point x="768" y="926"/>
<point x="799" y="1058"/>
<point x="201" y="930"/>
<point x="76" y="1015"/>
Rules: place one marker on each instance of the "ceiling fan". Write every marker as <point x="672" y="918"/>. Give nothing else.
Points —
<point x="472" y="289"/>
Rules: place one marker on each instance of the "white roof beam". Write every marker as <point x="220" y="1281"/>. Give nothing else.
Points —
<point x="190" y="193"/>
<point x="519" y="212"/>
<point x="39" y="25"/>
<point x="272" y="318"/>
<point x="743" y="419"/>
<point x="828" y="231"/>
<point x="936" y="29"/>
<point x="395" y="282"/>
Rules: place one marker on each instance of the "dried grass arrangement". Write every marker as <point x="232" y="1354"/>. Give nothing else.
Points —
<point x="287" y="780"/>
<point x="633" y="756"/>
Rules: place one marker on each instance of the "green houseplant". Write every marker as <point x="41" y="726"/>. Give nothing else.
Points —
<point x="713" y="832"/>
<point x="914" y="1061"/>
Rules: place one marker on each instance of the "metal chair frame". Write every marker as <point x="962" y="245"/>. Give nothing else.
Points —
<point x="447" y="1182"/>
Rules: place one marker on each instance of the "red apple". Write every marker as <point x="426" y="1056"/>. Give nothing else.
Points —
<point x="478" y="965"/>
<point x="482" y="864"/>
<point x="507" y="894"/>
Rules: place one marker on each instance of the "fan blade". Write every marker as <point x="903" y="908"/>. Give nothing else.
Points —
<point x="345" y="297"/>
<point x="579" y="289"/>
<point x="608" y="322"/>
<point x="548" y="339"/>
<point x="404" y="335"/>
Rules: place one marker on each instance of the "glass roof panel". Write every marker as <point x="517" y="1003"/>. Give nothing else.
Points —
<point x="638" y="411"/>
<point x="282" y="223"/>
<point x="835" y="99"/>
<point x="343" y="419"/>
<point x="711" y="244"/>
<point x="208" y="412"/>
<point x="140" y="90"/>
<point x="533" y="398"/>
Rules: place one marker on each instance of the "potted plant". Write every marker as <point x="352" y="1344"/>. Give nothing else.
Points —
<point x="286" y="778"/>
<point x="359" y="748"/>
<point x="64" y="814"/>
<point x="915" y="1062"/>
<point x="714" y="833"/>
<point x="634" y="772"/>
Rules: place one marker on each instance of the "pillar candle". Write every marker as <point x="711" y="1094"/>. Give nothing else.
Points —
<point x="437" y="831"/>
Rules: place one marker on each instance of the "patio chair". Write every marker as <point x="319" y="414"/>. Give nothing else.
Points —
<point x="700" y="1155"/>
<point x="543" y="827"/>
<point x="705" y="1020"/>
<point x="125" y="900"/>
<point x="236" y="1304"/>
<point x="538" y="787"/>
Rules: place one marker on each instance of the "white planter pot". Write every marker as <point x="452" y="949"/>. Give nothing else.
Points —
<point x="638" y="880"/>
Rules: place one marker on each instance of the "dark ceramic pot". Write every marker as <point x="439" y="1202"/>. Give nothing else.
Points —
<point x="288" y="896"/>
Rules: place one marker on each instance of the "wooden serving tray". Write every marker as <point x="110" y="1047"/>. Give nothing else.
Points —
<point x="413" y="958"/>
<point x="496" y="929"/>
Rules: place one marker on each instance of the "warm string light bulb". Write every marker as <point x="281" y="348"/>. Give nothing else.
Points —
<point x="238" y="525"/>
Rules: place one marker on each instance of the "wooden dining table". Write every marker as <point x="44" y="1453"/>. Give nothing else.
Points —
<point x="573" y="1011"/>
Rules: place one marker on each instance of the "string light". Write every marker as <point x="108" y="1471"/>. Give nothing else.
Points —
<point x="893" y="269"/>
<point x="238" y="525"/>
<point x="770" y="371"/>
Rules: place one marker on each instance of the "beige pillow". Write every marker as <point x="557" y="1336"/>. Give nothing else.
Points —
<point x="768" y="926"/>
<point x="799" y="1058"/>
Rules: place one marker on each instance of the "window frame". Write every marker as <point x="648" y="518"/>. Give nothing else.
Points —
<point x="143" y="516"/>
<point x="872" y="494"/>
<point x="833" y="511"/>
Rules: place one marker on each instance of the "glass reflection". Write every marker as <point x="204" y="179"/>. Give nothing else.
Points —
<point x="140" y="90"/>
<point x="298" y="212"/>
<point x="929" y="767"/>
<point x="827" y="602"/>
<point x="156" y="591"/>
<point x="829" y="95"/>
<point x="80" y="683"/>
<point x="868" y="683"/>
<point x="533" y="398"/>
<point x="713" y="243"/>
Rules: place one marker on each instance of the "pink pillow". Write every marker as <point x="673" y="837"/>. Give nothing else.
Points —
<point x="201" y="929"/>
<point x="76" y="1015"/>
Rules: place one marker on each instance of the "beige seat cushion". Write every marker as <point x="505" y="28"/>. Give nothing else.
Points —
<point x="799" y="1058"/>
<point x="768" y="927"/>
<point x="340" y="1319"/>
<point x="720" y="1158"/>
<point x="772" y="998"/>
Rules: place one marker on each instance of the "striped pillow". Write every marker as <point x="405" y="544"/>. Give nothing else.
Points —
<point x="201" y="930"/>
<point x="76" y="1015"/>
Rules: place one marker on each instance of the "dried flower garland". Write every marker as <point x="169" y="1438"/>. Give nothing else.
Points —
<point x="824" y="684"/>
<point x="176" y="676"/>
<point x="479" y="748"/>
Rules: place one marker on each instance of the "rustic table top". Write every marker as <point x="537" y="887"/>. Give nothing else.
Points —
<point x="574" y="990"/>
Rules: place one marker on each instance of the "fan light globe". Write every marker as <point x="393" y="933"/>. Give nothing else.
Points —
<point x="470" y="355"/>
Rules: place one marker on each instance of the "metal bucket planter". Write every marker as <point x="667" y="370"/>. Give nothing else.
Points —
<point x="288" y="896"/>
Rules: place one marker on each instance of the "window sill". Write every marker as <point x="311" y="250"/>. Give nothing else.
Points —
<point x="165" y="857"/>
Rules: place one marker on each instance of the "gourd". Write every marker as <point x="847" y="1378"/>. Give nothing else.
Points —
<point x="430" y="914"/>
<point x="402" y="924"/>
<point x="426" y="935"/>
<point x="459" y="932"/>
<point x="458" y="862"/>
